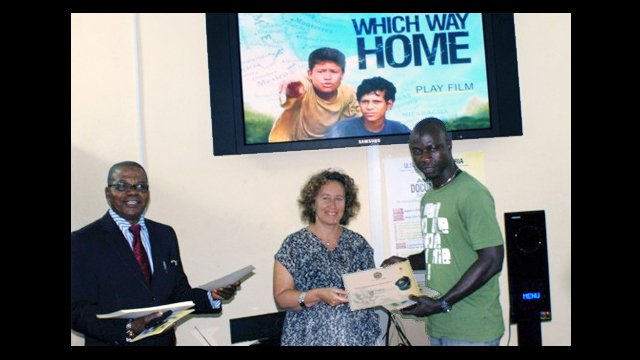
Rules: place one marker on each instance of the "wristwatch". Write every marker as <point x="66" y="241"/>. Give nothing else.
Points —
<point x="444" y="305"/>
<point x="129" y="334"/>
<point x="301" y="299"/>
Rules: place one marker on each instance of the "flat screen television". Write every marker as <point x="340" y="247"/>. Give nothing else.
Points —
<point x="266" y="328"/>
<point x="459" y="67"/>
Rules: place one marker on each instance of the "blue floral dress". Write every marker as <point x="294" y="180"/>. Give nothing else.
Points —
<point x="313" y="266"/>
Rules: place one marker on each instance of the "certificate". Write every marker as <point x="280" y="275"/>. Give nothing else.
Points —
<point x="389" y="287"/>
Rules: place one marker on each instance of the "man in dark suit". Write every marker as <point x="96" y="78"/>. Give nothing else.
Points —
<point x="123" y="261"/>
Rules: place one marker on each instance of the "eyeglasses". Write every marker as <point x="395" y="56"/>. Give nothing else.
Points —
<point x="123" y="186"/>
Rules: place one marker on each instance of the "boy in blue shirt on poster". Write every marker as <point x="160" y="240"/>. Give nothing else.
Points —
<point x="375" y="96"/>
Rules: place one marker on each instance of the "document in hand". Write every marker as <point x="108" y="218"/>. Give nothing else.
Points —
<point x="136" y="313"/>
<point x="228" y="279"/>
<point x="164" y="325"/>
<point x="389" y="287"/>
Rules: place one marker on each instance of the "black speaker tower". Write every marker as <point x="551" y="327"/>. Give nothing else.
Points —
<point x="528" y="269"/>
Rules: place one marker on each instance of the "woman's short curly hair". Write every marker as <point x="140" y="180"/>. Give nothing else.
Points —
<point x="310" y="190"/>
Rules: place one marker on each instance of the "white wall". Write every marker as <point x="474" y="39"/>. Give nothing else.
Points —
<point x="234" y="210"/>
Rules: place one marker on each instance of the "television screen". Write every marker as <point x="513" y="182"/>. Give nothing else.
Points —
<point x="267" y="328"/>
<point x="296" y="81"/>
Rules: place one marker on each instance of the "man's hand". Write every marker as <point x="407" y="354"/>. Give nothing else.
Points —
<point x="425" y="306"/>
<point x="138" y="325"/>
<point x="392" y="260"/>
<point x="225" y="293"/>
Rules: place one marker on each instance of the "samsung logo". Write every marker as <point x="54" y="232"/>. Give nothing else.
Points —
<point x="368" y="141"/>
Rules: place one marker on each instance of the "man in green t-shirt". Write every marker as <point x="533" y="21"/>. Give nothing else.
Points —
<point x="463" y="246"/>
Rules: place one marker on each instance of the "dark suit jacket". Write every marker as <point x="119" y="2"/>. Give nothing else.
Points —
<point x="105" y="277"/>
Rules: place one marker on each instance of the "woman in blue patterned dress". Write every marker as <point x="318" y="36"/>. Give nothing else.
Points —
<point x="308" y="269"/>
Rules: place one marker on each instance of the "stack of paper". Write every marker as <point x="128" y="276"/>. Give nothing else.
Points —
<point x="163" y="325"/>
<point x="136" y="313"/>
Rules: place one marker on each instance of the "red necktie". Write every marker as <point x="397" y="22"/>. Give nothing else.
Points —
<point x="140" y="253"/>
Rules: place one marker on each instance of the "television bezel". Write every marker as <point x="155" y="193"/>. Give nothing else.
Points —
<point x="225" y="85"/>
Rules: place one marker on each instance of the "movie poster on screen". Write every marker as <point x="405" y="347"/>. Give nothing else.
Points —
<point x="435" y="60"/>
<point x="405" y="187"/>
